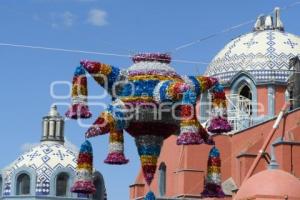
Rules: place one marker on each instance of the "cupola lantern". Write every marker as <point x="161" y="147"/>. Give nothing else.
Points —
<point x="53" y="126"/>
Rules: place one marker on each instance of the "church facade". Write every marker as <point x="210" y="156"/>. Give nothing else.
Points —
<point x="256" y="70"/>
<point x="47" y="171"/>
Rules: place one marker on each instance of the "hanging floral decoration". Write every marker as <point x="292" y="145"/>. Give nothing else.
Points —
<point x="79" y="108"/>
<point x="116" y="148"/>
<point x="213" y="180"/>
<point x="150" y="102"/>
<point x="150" y="196"/>
<point x="84" y="180"/>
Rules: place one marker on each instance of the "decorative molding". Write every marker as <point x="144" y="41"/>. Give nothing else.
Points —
<point x="246" y="155"/>
<point x="188" y="170"/>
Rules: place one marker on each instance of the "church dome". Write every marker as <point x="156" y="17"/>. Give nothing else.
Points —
<point x="48" y="168"/>
<point x="273" y="183"/>
<point x="264" y="53"/>
<point x="46" y="160"/>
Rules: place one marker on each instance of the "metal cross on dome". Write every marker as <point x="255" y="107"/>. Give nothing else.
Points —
<point x="60" y="155"/>
<point x="250" y="43"/>
<point x="290" y="43"/>
<point x="33" y="155"/>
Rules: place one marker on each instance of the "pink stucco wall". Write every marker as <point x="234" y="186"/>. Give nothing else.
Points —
<point x="186" y="165"/>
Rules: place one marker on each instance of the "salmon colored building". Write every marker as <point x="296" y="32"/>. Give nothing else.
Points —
<point x="257" y="70"/>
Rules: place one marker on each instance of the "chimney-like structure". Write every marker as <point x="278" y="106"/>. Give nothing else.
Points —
<point x="269" y="22"/>
<point x="53" y="126"/>
<point x="277" y="22"/>
<point x="259" y="24"/>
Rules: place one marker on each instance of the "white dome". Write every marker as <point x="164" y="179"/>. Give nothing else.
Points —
<point x="45" y="159"/>
<point x="263" y="54"/>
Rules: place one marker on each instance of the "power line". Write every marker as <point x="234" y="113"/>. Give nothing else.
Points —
<point x="88" y="52"/>
<point x="129" y="56"/>
<point x="227" y="30"/>
<point x="212" y="35"/>
<point x="61" y="49"/>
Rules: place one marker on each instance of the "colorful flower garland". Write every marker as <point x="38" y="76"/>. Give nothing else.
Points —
<point x="116" y="149"/>
<point x="150" y="57"/>
<point x="213" y="180"/>
<point x="84" y="181"/>
<point x="79" y="108"/>
<point x="149" y="147"/>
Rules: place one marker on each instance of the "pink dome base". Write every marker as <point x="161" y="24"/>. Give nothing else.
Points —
<point x="270" y="183"/>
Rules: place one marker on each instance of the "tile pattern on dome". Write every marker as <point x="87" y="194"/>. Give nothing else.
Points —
<point x="265" y="55"/>
<point x="44" y="159"/>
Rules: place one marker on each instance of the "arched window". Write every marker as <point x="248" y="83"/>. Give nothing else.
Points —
<point x="99" y="185"/>
<point x="1" y="182"/>
<point x="23" y="184"/>
<point x="62" y="180"/>
<point x="246" y="92"/>
<point x="162" y="179"/>
<point x="245" y="100"/>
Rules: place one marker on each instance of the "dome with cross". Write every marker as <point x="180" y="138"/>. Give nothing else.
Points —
<point x="264" y="53"/>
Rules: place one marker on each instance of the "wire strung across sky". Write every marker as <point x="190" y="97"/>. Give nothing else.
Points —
<point x="212" y="35"/>
<point x="89" y="52"/>
<point x="129" y="56"/>
<point x="228" y="29"/>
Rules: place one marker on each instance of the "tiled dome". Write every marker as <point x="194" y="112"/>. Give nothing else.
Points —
<point x="45" y="159"/>
<point x="47" y="170"/>
<point x="263" y="53"/>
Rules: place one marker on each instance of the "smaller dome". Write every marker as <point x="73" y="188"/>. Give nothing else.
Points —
<point x="45" y="159"/>
<point x="270" y="183"/>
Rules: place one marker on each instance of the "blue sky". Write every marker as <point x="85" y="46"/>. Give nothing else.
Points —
<point x="114" y="26"/>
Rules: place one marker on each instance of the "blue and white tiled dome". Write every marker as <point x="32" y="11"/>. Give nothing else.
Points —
<point x="45" y="159"/>
<point x="47" y="170"/>
<point x="263" y="53"/>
